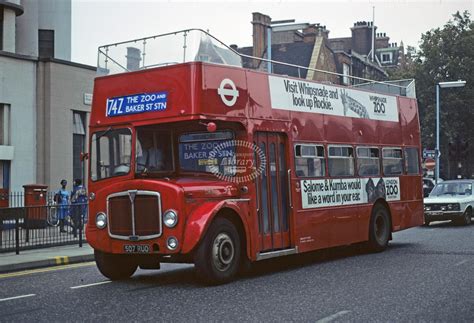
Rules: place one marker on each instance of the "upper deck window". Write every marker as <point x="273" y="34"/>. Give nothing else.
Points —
<point x="341" y="161"/>
<point x="309" y="161"/>
<point x="204" y="151"/>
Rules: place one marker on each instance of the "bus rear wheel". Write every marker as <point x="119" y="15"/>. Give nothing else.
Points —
<point x="114" y="267"/>
<point x="217" y="258"/>
<point x="379" y="229"/>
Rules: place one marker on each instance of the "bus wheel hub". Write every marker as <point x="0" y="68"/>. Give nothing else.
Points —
<point x="223" y="251"/>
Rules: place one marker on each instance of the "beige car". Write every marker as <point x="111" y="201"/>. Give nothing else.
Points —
<point x="450" y="200"/>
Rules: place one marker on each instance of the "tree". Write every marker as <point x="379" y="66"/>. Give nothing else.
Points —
<point x="445" y="54"/>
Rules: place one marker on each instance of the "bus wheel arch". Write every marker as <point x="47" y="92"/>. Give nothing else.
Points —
<point x="218" y="255"/>
<point x="380" y="226"/>
<point x="234" y="217"/>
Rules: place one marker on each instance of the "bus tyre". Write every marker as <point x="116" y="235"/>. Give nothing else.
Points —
<point x="379" y="229"/>
<point x="217" y="258"/>
<point x="114" y="267"/>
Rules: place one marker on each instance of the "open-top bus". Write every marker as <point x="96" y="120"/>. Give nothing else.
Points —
<point x="222" y="166"/>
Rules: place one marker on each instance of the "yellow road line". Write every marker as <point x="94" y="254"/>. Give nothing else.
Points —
<point x="43" y="270"/>
<point x="62" y="260"/>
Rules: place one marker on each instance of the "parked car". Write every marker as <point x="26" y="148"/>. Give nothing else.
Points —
<point x="450" y="200"/>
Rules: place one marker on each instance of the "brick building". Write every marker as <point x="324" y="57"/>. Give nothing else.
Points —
<point x="312" y="47"/>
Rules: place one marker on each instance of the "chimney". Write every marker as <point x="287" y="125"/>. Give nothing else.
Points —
<point x="381" y="41"/>
<point x="309" y="33"/>
<point x="313" y="31"/>
<point x="362" y="37"/>
<point x="260" y="24"/>
<point x="322" y="31"/>
<point x="133" y="58"/>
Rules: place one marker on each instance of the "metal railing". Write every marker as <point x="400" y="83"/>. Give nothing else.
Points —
<point x="30" y="227"/>
<point x="195" y="44"/>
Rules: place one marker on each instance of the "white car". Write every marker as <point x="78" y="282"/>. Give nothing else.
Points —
<point x="450" y="200"/>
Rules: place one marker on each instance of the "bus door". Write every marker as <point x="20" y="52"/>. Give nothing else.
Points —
<point x="272" y="192"/>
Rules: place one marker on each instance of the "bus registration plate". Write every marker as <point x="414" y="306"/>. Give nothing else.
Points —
<point x="136" y="248"/>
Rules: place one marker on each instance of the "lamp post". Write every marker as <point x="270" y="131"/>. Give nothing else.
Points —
<point x="458" y="83"/>
<point x="276" y="26"/>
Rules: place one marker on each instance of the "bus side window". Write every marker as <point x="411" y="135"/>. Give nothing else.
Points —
<point x="341" y="160"/>
<point x="309" y="160"/>
<point x="411" y="161"/>
<point x="368" y="163"/>
<point x="392" y="161"/>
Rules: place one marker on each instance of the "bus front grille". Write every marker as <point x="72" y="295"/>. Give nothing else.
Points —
<point x="134" y="215"/>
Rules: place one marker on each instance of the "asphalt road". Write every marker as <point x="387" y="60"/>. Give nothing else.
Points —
<point x="425" y="275"/>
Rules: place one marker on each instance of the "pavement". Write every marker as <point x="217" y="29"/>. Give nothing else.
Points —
<point x="47" y="257"/>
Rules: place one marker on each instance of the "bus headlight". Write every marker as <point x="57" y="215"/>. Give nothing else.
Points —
<point x="172" y="243"/>
<point x="101" y="220"/>
<point x="170" y="218"/>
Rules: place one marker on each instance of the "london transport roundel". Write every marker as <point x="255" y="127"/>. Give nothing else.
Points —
<point x="228" y="92"/>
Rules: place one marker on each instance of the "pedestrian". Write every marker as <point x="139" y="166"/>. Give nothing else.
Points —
<point x="78" y="206"/>
<point x="62" y="199"/>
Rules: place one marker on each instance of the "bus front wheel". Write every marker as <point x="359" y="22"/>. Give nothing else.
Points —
<point x="217" y="258"/>
<point x="379" y="229"/>
<point x="114" y="267"/>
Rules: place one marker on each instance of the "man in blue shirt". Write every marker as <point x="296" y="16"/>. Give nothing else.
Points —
<point x="78" y="206"/>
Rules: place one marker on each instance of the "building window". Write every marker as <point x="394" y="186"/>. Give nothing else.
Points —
<point x="46" y="43"/>
<point x="309" y="161"/>
<point x="341" y="161"/>
<point x="4" y="174"/>
<point x="346" y="72"/>
<point x="78" y="144"/>
<point x="4" y="124"/>
<point x="387" y="58"/>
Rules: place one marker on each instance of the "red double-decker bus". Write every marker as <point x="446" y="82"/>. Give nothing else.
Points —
<point x="222" y="166"/>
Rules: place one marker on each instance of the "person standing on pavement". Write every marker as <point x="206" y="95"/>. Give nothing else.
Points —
<point x="78" y="205"/>
<point x="62" y="199"/>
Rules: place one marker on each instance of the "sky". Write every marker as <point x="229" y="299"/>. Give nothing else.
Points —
<point x="100" y="22"/>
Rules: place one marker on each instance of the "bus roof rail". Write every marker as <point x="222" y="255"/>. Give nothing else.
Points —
<point x="196" y="44"/>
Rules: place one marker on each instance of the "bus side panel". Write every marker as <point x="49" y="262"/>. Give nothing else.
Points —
<point x="345" y="225"/>
<point x="397" y="211"/>
<point x="409" y="121"/>
<point x="412" y="195"/>
<point x="337" y="129"/>
<point x="364" y="132"/>
<point x="260" y="106"/>
<point x="416" y="218"/>
<point x="313" y="229"/>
